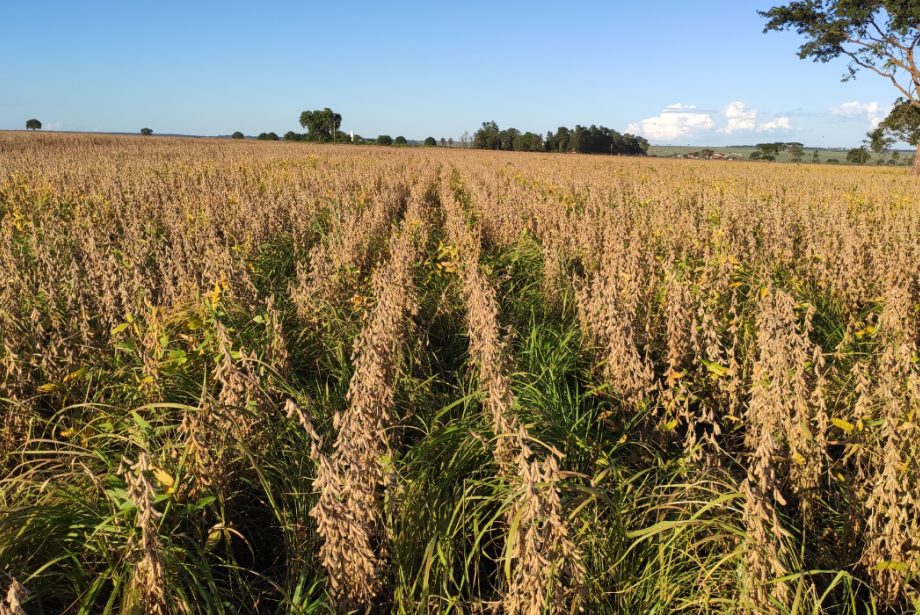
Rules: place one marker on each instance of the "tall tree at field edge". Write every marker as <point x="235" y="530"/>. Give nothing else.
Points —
<point x="875" y="35"/>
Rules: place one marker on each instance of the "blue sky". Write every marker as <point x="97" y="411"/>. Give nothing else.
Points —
<point x="423" y="69"/>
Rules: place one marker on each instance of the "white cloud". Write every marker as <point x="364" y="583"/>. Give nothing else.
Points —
<point x="679" y="120"/>
<point x="671" y="124"/>
<point x="740" y="117"/>
<point x="54" y="126"/>
<point x="778" y="123"/>
<point x="871" y="111"/>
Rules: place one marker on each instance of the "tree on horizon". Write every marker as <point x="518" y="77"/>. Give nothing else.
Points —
<point x="321" y="124"/>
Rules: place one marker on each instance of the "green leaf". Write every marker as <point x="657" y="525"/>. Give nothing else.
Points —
<point x="512" y="537"/>
<point x="899" y="566"/>
<point x="144" y="425"/>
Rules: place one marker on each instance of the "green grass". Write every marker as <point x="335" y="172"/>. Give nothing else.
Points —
<point x="745" y="152"/>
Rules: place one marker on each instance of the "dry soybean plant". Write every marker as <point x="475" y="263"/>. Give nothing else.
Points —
<point x="524" y="383"/>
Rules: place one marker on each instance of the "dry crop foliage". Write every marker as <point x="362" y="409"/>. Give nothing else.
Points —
<point x="272" y="377"/>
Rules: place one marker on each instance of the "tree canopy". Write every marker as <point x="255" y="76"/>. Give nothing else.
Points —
<point x="430" y="141"/>
<point x="237" y="135"/>
<point x="584" y="140"/>
<point x="400" y="141"/>
<point x="320" y="124"/>
<point x="267" y="136"/>
<point x="384" y="140"/>
<point x="903" y="122"/>
<point x="771" y="150"/>
<point x="859" y="155"/>
<point x="878" y="142"/>
<point x="33" y="125"/>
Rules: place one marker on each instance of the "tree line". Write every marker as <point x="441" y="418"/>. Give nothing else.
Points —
<point x="582" y="140"/>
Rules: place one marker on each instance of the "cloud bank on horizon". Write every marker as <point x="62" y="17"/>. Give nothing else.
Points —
<point x="872" y="112"/>
<point x="684" y="121"/>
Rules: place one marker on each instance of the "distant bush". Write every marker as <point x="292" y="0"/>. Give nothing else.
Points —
<point x="267" y="136"/>
<point x="384" y="140"/>
<point x="832" y="161"/>
<point x="400" y="141"/>
<point x="291" y="136"/>
<point x="859" y="155"/>
<point x="430" y="141"/>
<point x="33" y="125"/>
<point x="237" y="135"/>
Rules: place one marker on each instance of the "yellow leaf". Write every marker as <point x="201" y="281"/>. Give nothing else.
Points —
<point x="851" y="449"/>
<point x="798" y="459"/>
<point x="763" y="292"/>
<point x="119" y="328"/>
<point x="163" y="477"/>
<point x="47" y="388"/>
<point x="623" y="439"/>
<point x="213" y="539"/>
<point x="847" y="427"/>
<point x="670" y="425"/>
<point x="75" y="375"/>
